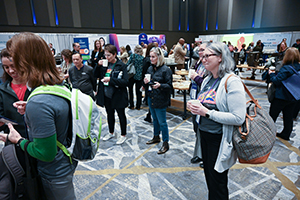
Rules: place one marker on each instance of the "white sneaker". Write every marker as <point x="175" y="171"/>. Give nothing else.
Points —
<point x="121" y="140"/>
<point x="108" y="136"/>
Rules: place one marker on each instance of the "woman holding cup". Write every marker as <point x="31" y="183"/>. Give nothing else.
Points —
<point x="159" y="89"/>
<point x="112" y="92"/>
<point x="197" y="77"/>
<point x="217" y="113"/>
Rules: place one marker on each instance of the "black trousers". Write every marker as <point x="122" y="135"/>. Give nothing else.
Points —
<point x="216" y="182"/>
<point x="296" y="109"/>
<point x="138" y="85"/>
<point x="111" y="116"/>
<point x="287" y="108"/>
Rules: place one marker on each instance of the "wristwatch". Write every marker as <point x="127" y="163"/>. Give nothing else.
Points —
<point x="207" y="115"/>
<point x="20" y="140"/>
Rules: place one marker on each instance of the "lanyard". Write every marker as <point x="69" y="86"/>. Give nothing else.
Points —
<point x="107" y="74"/>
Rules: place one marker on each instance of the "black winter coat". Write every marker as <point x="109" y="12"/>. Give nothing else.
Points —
<point x="160" y="97"/>
<point x="7" y="98"/>
<point x="119" y="97"/>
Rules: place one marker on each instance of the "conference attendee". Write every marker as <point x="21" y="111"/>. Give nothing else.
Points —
<point x="13" y="89"/>
<point x="137" y="79"/>
<point x="197" y="78"/>
<point x="128" y="49"/>
<point x="145" y="49"/>
<point x="47" y="116"/>
<point x="179" y="53"/>
<point x="159" y="90"/>
<point x="284" y="101"/>
<point x="51" y="48"/>
<point x="124" y="55"/>
<point x="76" y="48"/>
<point x="67" y="62"/>
<point x="250" y="47"/>
<point x="242" y="54"/>
<point x="112" y="91"/>
<point x="278" y="46"/>
<point x="146" y="65"/>
<point x="82" y="76"/>
<point x="97" y="53"/>
<point x="297" y="44"/>
<point x="282" y="50"/>
<point x="102" y="41"/>
<point x="217" y="113"/>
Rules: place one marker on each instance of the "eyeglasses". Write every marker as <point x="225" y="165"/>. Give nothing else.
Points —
<point x="201" y="50"/>
<point x="208" y="55"/>
<point x="107" y="55"/>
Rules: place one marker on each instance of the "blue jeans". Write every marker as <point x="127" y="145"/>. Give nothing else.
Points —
<point x="159" y="116"/>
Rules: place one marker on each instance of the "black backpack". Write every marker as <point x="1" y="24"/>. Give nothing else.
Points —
<point x="18" y="174"/>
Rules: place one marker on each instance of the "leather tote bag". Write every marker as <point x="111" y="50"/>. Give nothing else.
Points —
<point x="131" y="69"/>
<point x="255" y="139"/>
<point x="292" y="84"/>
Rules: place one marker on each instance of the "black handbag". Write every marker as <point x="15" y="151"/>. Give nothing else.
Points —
<point x="271" y="92"/>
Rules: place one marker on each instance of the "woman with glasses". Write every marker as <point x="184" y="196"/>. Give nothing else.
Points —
<point x="159" y="96"/>
<point x="112" y="92"/>
<point x="97" y="53"/>
<point x="217" y="113"/>
<point x="197" y="78"/>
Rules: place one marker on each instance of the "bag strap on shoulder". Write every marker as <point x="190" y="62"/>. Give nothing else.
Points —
<point x="57" y="90"/>
<point x="12" y="163"/>
<point x="246" y="90"/>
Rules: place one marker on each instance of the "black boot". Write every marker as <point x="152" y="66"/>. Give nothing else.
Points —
<point x="164" y="148"/>
<point x="148" y="118"/>
<point x="155" y="139"/>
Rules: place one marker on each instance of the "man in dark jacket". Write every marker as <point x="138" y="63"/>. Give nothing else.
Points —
<point x="82" y="77"/>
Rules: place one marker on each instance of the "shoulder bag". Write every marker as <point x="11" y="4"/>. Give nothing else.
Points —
<point x="292" y="84"/>
<point x="131" y="68"/>
<point x="255" y="138"/>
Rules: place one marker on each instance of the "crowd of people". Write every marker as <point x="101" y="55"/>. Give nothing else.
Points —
<point x="107" y="81"/>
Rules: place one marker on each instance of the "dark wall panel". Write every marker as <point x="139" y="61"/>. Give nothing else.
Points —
<point x="212" y="14"/>
<point x="95" y="14"/>
<point x="223" y="14"/>
<point x="146" y="15"/>
<point x="3" y="18"/>
<point x="161" y="8"/>
<point x="135" y="14"/>
<point x="280" y="13"/>
<point x="64" y="13"/>
<point x="117" y="13"/>
<point x="41" y="13"/>
<point x="175" y="15"/>
<point x="242" y="14"/>
<point x="24" y="12"/>
<point x="183" y="15"/>
<point x="197" y="15"/>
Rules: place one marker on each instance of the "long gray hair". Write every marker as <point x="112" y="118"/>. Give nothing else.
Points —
<point x="227" y="64"/>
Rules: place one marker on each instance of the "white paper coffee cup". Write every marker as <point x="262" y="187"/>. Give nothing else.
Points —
<point x="272" y="68"/>
<point x="194" y="102"/>
<point x="191" y="71"/>
<point x="105" y="63"/>
<point x="148" y="77"/>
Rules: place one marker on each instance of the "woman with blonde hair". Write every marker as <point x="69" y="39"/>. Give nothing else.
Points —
<point x="47" y="116"/>
<point x="124" y="55"/>
<point x="159" y="90"/>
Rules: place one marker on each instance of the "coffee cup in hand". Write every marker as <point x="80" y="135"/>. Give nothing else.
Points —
<point x="194" y="102"/>
<point x="272" y="68"/>
<point x="104" y="62"/>
<point x="148" y="77"/>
